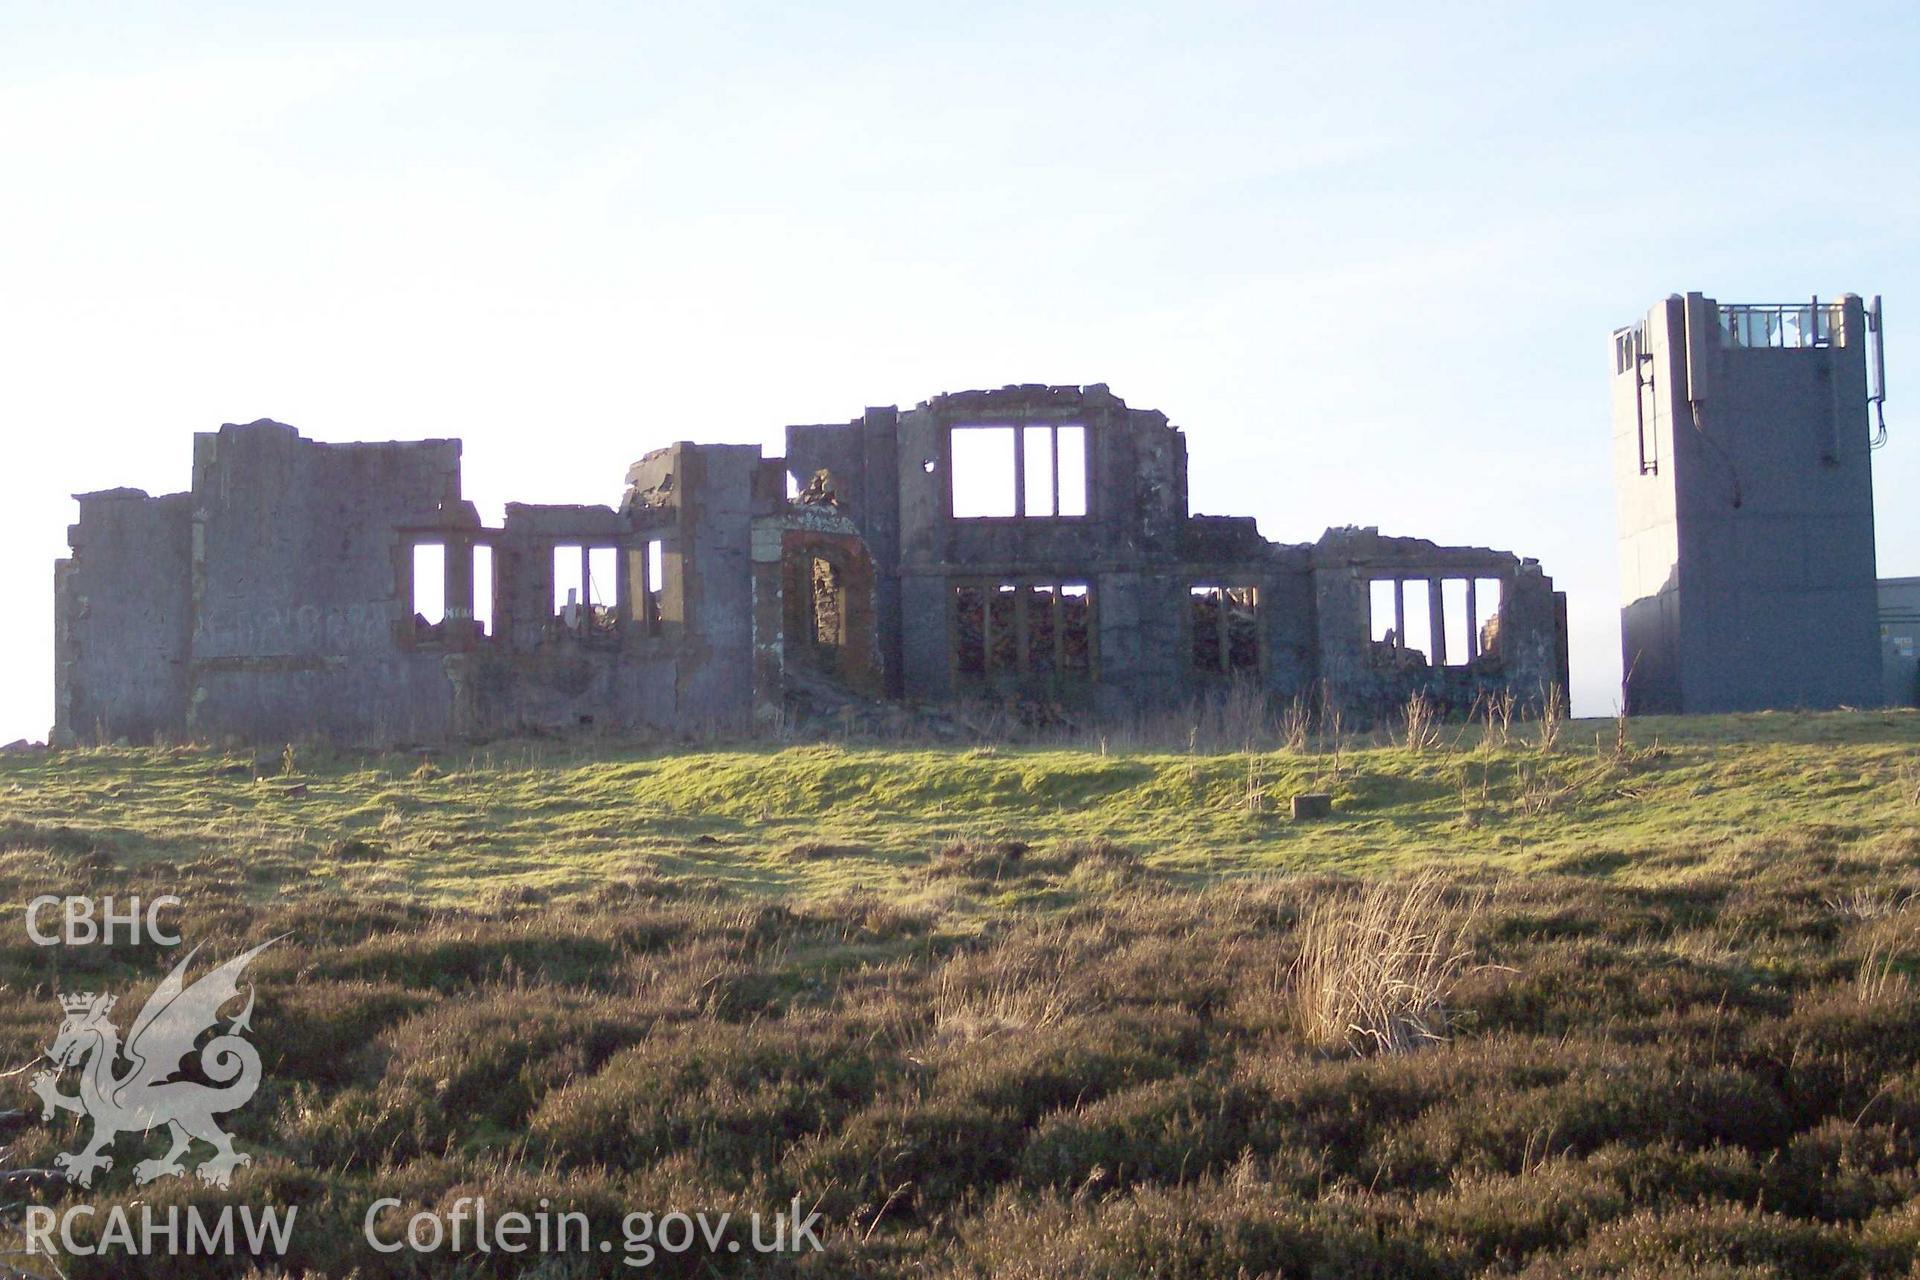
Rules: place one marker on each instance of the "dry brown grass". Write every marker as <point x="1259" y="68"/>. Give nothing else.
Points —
<point x="1375" y="970"/>
<point x="1685" y="1027"/>
<point x="1553" y="717"/>
<point x="1296" y="724"/>
<point x="1497" y="711"/>
<point x="1013" y="1002"/>
<point x="1869" y="902"/>
<point x="1909" y="774"/>
<point x="1420" y="724"/>
<point x="1541" y="793"/>
<point x="1878" y="979"/>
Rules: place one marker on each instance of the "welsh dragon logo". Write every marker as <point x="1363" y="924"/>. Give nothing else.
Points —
<point x="148" y="1093"/>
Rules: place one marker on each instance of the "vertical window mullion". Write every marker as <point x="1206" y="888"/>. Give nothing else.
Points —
<point x="1022" y="632"/>
<point x="1020" y="470"/>
<point x="1223" y="619"/>
<point x="1473" y="619"/>
<point x="1053" y="440"/>
<point x="1059" y="628"/>
<point x="1437" y="621"/>
<point x="987" y="587"/>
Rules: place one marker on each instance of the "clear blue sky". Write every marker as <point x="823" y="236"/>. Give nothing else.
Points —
<point x="1370" y="262"/>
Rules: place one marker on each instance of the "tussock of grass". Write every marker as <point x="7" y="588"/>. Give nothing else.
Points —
<point x="974" y="997"/>
<point x="1375" y="971"/>
<point x="982" y="859"/>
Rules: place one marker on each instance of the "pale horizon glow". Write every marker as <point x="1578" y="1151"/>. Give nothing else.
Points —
<point x="1369" y="261"/>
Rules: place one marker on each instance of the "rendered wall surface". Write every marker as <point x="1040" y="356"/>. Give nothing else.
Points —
<point x="1745" y="507"/>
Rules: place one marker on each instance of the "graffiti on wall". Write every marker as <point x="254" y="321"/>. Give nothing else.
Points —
<point x="289" y="630"/>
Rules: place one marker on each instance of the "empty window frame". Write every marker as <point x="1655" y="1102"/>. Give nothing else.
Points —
<point x="1402" y="614"/>
<point x="603" y="590"/>
<point x="1005" y="644"/>
<point x="1467" y="610"/>
<point x="1470" y="608"/>
<point x="1043" y="619"/>
<point x="586" y="590"/>
<point x="1036" y="471"/>
<point x="646" y="578"/>
<point x="1023" y="628"/>
<point x="827" y="604"/>
<point x="1628" y="343"/>
<point x="1383" y="597"/>
<point x="970" y="630"/>
<point x="1076" y="628"/>
<point x="1069" y="470"/>
<point x="442" y="607"/>
<point x="429" y="590"/>
<point x="1416" y="631"/>
<point x="985" y="472"/>
<point x="569" y="585"/>
<point x="1454" y="628"/>
<point x="1470" y="615"/>
<point x="482" y="589"/>
<point x="1484" y="602"/>
<point x="1226" y="628"/>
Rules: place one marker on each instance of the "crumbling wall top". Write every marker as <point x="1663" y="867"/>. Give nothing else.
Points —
<point x="268" y="427"/>
<point x="1223" y="538"/>
<point x="114" y="495"/>
<point x="1032" y="397"/>
<point x="564" y="520"/>
<point x="1359" y="546"/>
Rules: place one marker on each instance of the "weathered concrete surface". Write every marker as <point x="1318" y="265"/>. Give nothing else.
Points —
<point x="123" y="618"/>
<point x="276" y="600"/>
<point x="1310" y="806"/>
<point x="1745" y="499"/>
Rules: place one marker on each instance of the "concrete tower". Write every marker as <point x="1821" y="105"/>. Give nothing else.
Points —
<point x="1741" y="444"/>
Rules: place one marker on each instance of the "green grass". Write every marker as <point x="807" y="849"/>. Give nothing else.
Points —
<point x="563" y="820"/>
<point x="1018" y="1012"/>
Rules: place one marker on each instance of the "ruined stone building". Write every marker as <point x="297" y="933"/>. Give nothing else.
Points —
<point x="1031" y="543"/>
<point x="1743" y="437"/>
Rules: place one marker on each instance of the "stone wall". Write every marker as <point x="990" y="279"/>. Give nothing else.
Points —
<point x="277" y="600"/>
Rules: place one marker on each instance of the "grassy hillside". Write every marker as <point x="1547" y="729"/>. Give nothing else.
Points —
<point x="818" y="820"/>
<point x="1640" y="1009"/>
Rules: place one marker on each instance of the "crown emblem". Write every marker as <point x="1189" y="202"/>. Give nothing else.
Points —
<point x="87" y="1002"/>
